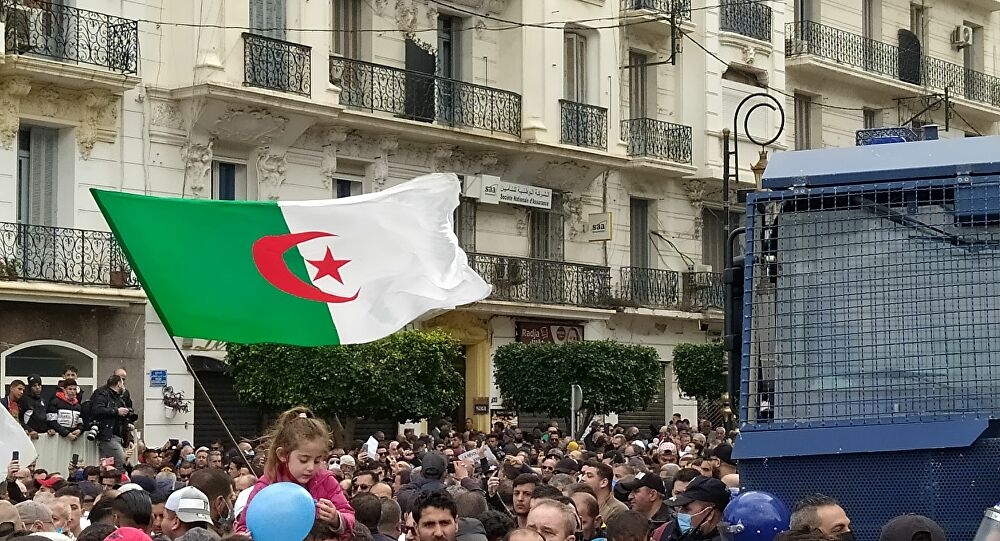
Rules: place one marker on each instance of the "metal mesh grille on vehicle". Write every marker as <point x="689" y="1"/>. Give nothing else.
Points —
<point x="871" y="305"/>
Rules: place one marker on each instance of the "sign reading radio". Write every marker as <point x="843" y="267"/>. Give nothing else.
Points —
<point x="528" y="332"/>
<point x="490" y="189"/>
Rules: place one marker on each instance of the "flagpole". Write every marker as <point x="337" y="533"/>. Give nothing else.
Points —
<point x="215" y="410"/>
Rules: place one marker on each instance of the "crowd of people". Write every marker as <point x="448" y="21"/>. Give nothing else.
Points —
<point x="669" y="483"/>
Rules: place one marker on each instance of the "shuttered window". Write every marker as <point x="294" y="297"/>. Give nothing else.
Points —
<point x="547" y="231"/>
<point x="347" y="24"/>
<point x="267" y="18"/>
<point x="37" y="189"/>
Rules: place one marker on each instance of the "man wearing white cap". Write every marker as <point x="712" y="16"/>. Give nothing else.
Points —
<point x="186" y="509"/>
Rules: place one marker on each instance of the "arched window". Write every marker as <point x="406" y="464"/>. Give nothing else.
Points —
<point x="48" y="359"/>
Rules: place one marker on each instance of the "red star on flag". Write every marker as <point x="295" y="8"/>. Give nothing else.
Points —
<point x="328" y="266"/>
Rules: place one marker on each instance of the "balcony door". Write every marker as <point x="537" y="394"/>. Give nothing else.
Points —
<point x="35" y="242"/>
<point x="428" y="98"/>
<point x="547" y="279"/>
<point x="639" y="250"/>
<point x="268" y="18"/>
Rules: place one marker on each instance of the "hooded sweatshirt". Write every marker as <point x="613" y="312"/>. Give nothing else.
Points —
<point x="63" y="414"/>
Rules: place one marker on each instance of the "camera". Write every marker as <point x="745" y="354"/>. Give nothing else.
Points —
<point x="92" y="432"/>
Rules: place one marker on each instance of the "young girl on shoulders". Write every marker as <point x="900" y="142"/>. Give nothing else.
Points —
<point x="297" y="453"/>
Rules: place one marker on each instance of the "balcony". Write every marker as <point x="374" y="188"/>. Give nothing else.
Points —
<point x="62" y="255"/>
<point x="73" y="48"/>
<point x="542" y="281"/>
<point x="746" y="18"/>
<point x="648" y="288"/>
<point x="905" y="65"/>
<point x="703" y="291"/>
<point x="650" y="138"/>
<point x="584" y="125"/>
<point x="275" y="64"/>
<point x="661" y="8"/>
<point x="426" y="98"/>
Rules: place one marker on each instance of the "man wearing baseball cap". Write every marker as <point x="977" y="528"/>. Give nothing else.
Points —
<point x="699" y="511"/>
<point x="646" y="495"/>
<point x="910" y="527"/>
<point x="186" y="509"/>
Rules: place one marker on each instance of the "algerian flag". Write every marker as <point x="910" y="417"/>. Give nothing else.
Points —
<point x="297" y="272"/>
<point x="13" y="438"/>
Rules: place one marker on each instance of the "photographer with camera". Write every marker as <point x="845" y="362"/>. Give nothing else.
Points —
<point x="112" y="411"/>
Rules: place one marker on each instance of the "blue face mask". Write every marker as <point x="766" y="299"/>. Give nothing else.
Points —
<point x="189" y="458"/>
<point x="683" y="522"/>
<point x="59" y="530"/>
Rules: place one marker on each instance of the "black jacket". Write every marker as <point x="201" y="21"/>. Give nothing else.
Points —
<point x="62" y="416"/>
<point x="105" y="403"/>
<point x="33" y="412"/>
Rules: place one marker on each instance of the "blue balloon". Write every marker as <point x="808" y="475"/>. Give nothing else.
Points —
<point x="281" y="512"/>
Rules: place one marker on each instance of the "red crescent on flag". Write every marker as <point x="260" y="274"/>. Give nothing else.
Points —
<point x="268" y="256"/>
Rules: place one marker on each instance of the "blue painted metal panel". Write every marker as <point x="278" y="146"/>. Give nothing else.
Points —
<point x="881" y="163"/>
<point x="858" y="439"/>
<point x="951" y="486"/>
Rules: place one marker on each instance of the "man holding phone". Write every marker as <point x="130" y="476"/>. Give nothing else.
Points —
<point x="113" y="413"/>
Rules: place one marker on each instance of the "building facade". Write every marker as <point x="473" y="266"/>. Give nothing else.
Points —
<point x="587" y="134"/>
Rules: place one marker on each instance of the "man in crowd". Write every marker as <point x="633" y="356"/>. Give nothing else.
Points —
<point x="646" y="493"/>
<point x="524" y="487"/>
<point x="598" y="476"/>
<point x="217" y="486"/>
<point x="14" y="395"/>
<point x="33" y="409"/>
<point x="435" y="516"/>
<point x="552" y="520"/>
<point x="390" y="517"/>
<point x="590" y="515"/>
<point x="699" y="511"/>
<point x="35" y="516"/>
<point x="823" y="513"/>
<point x="185" y="509"/>
<point x="201" y="458"/>
<point x="112" y="410"/>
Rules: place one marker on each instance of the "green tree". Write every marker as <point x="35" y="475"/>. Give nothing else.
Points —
<point x="700" y="370"/>
<point x="615" y="377"/>
<point x="409" y="375"/>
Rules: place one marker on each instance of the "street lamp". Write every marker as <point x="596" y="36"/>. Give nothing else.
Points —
<point x="759" y="167"/>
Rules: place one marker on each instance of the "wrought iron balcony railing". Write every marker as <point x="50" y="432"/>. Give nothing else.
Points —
<point x="584" y="125"/>
<point x="427" y="98"/>
<point x="903" y="64"/>
<point x="657" y="139"/>
<point x="62" y="255"/>
<point x="648" y="288"/>
<point x="663" y="7"/>
<point x="276" y="65"/>
<point x="703" y="291"/>
<point x="543" y="281"/>
<point x="746" y="17"/>
<point x="37" y="27"/>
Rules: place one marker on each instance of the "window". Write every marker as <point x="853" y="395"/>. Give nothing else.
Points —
<point x="744" y="76"/>
<point x="447" y="57"/>
<point x="229" y="181"/>
<point x="267" y="18"/>
<point x="713" y="237"/>
<point x="872" y="118"/>
<point x="576" y="67"/>
<point x="36" y="175"/>
<point x="637" y="84"/>
<point x="803" y="10"/>
<point x="546" y="231"/>
<point x="347" y="188"/>
<point x="347" y="27"/>
<point x="465" y="223"/>
<point x="871" y="19"/>
<point x="918" y="21"/>
<point x="48" y="359"/>
<point x="803" y="121"/>
<point x="639" y="232"/>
